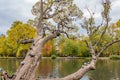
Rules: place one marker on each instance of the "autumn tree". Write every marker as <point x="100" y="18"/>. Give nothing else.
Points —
<point x="18" y="32"/>
<point x="10" y="44"/>
<point x="49" y="48"/>
<point x="115" y="33"/>
<point x="72" y="47"/>
<point x="3" y="46"/>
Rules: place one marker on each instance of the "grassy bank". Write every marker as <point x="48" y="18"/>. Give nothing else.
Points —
<point x="115" y="57"/>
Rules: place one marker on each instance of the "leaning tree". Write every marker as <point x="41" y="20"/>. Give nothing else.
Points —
<point x="53" y="18"/>
<point x="58" y="16"/>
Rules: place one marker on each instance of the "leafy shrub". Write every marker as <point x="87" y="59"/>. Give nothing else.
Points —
<point x="70" y="48"/>
<point x="53" y="57"/>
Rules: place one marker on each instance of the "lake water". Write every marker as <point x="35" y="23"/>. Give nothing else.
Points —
<point x="106" y="69"/>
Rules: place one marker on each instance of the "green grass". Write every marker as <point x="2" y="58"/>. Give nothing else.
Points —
<point x="115" y="57"/>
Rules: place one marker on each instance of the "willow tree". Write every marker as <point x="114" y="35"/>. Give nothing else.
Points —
<point x="53" y="17"/>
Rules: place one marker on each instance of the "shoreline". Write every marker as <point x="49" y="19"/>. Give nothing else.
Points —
<point x="11" y="58"/>
<point x="57" y="57"/>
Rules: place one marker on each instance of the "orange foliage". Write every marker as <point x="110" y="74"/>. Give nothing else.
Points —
<point x="47" y="49"/>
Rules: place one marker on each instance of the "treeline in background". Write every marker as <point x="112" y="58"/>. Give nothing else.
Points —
<point x="10" y="45"/>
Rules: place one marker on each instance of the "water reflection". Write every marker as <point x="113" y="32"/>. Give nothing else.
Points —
<point x="58" y="67"/>
<point x="10" y="65"/>
<point x="106" y="69"/>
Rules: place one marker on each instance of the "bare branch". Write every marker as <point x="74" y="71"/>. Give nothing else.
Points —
<point x="90" y="12"/>
<point x="90" y="20"/>
<point x="105" y="16"/>
<point x="65" y="33"/>
<point x="98" y="26"/>
<point x="44" y="12"/>
<point x="104" y="31"/>
<point x="108" y="45"/>
<point x="87" y="44"/>
<point x="47" y="28"/>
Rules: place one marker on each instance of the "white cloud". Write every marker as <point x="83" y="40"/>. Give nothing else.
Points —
<point x="14" y="10"/>
<point x="115" y="10"/>
<point x="31" y="1"/>
<point x="96" y="4"/>
<point x="11" y="10"/>
<point x="3" y="30"/>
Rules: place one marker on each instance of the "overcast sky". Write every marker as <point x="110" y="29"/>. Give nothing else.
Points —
<point x="12" y="10"/>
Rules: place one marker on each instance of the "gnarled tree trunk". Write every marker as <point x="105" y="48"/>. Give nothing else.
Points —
<point x="28" y="66"/>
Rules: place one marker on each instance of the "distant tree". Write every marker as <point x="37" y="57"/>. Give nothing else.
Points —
<point x="18" y="32"/>
<point x="10" y="45"/>
<point x="3" y="46"/>
<point x="49" y="48"/>
<point x="70" y="48"/>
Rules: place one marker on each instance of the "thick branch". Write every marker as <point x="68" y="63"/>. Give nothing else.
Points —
<point x="44" y="12"/>
<point x="108" y="45"/>
<point x="86" y="42"/>
<point x="105" y="16"/>
<point x="26" y="41"/>
<point x="40" y="20"/>
<point x="102" y="34"/>
<point x="47" y="38"/>
<point x="65" y="33"/>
